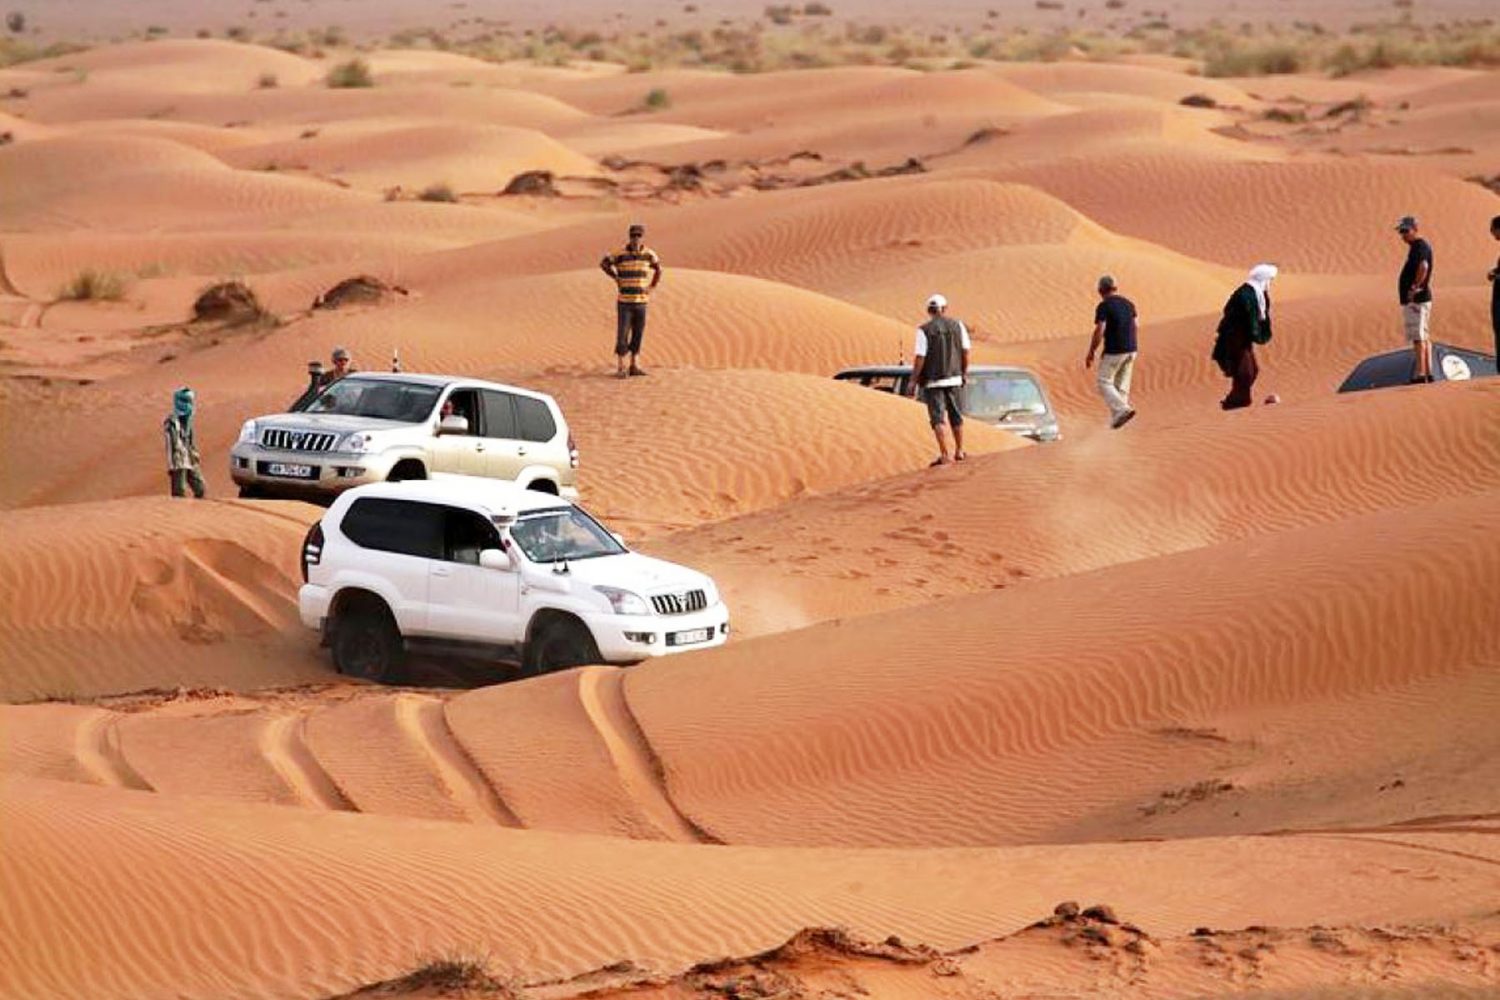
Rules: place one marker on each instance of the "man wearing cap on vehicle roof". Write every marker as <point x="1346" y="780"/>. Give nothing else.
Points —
<point x="1415" y="288"/>
<point x="940" y="364"/>
<point x="636" y="270"/>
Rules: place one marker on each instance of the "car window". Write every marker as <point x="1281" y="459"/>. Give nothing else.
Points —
<point x="380" y="400"/>
<point x="466" y="534"/>
<point x="499" y="415"/>
<point x="1001" y="395"/>
<point x="535" y="419"/>
<point x="560" y="533"/>
<point x="465" y="403"/>
<point x="405" y="527"/>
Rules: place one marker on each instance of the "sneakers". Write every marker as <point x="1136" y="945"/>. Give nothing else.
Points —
<point x="634" y="371"/>
<point x="1122" y="419"/>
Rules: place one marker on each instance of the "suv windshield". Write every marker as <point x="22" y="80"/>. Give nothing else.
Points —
<point x="1000" y="396"/>
<point x="562" y="533"/>
<point x="380" y="399"/>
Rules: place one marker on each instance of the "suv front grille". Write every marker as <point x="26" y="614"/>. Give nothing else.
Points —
<point x="680" y="604"/>
<point x="285" y="440"/>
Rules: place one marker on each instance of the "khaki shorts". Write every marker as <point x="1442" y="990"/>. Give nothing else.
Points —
<point x="1416" y="315"/>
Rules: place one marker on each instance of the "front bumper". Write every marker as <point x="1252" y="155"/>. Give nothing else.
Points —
<point x="630" y="638"/>
<point x="331" y="472"/>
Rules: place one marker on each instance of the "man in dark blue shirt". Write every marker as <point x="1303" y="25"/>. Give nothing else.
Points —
<point x="1114" y="327"/>
<point x="1415" y="288"/>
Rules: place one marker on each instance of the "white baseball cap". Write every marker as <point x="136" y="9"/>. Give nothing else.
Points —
<point x="937" y="302"/>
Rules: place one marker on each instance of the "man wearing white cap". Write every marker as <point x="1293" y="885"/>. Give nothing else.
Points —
<point x="940" y="363"/>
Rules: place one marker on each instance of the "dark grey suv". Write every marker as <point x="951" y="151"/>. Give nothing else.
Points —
<point x="1006" y="396"/>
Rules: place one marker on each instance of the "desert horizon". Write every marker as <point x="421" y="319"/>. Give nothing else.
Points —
<point x="1175" y="677"/>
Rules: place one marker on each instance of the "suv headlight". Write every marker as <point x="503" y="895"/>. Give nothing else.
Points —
<point x="247" y="432"/>
<point x="711" y="593"/>
<point x="624" y="602"/>
<point x="355" y="444"/>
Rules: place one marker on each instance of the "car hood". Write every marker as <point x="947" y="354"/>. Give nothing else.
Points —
<point x="631" y="571"/>
<point x="327" y="422"/>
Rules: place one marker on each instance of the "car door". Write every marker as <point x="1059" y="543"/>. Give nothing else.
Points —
<point x="466" y="600"/>
<point x="541" y="444"/>
<point x="401" y="540"/>
<point x="463" y="454"/>
<point x="505" y="452"/>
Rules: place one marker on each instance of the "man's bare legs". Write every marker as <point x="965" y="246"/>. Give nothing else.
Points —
<point x="940" y="431"/>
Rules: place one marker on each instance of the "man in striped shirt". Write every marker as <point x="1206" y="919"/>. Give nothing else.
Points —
<point x="636" y="270"/>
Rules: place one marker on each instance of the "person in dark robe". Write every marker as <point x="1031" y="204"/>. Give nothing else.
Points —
<point x="1246" y="323"/>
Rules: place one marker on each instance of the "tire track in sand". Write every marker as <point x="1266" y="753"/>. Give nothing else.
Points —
<point x="283" y="743"/>
<point x="424" y="721"/>
<point x="97" y="747"/>
<point x="601" y="691"/>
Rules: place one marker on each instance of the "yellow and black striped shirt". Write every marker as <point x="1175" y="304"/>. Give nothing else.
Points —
<point x="634" y="270"/>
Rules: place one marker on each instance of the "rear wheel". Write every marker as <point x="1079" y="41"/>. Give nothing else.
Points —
<point x="366" y="642"/>
<point x="558" y="645"/>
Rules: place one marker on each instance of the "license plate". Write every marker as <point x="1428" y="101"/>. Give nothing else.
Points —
<point x="692" y="636"/>
<point x="290" y="471"/>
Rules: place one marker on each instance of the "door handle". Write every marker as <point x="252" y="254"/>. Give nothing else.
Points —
<point x="521" y="450"/>
<point x="441" y="571"/>
<point x="479" y="446"/>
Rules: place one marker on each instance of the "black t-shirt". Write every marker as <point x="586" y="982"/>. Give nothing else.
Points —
<point x="1117" y="313"/>
<point x="1420" y="250"/>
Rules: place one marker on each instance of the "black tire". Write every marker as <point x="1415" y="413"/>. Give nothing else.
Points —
<point x="558" y="645"/>
<point x="406" y="469"/>
<point x="367" y="644"/>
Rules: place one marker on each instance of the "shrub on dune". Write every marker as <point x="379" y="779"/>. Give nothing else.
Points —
<point x="267" y="81"/>
<point x="354" y="73"/>
<point x="93" y="286"/>
<point x="438" y="192"/>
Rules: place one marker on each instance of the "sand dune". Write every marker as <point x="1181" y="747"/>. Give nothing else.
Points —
<point x="1003" y="521"/>
<point x="998" y="690"/>
<point x="1325" y="217"/>
<point x="329" y="901"/>
<point x="1232" y="674"/>
<point x="119" y="598"/>
<point x="379" y="154"/>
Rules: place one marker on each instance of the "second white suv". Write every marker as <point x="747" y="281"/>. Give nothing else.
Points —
<point x="369" y="428"/>
<point x="480" y="567"/>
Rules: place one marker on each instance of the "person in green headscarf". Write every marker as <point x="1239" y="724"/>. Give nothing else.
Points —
<point x="183" y="469"/>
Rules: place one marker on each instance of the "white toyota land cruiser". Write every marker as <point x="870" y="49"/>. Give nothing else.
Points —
<point x="368" y="428"/>
<point x="485" y="567"/>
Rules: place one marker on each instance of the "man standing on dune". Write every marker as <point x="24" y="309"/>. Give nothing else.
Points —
<point x="1495" y="290"/>
<point x="940" y="364"/>
<point x="1415" y="288"/>
<point x="636" y="270"/>
<point x="183" y="468"/>
<point x="1114" y="327"/>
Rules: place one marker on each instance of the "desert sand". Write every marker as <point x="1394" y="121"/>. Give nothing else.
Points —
<point x="1200" y="707"/>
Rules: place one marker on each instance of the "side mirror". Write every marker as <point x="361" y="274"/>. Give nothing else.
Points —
<point x="496" y="559"/>
<point x="1038" y="408"/>
<point x="453" y="424"/>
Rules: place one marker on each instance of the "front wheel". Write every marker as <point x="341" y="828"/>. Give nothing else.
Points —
<point x="367" y="644"/>
<point x="558" y="646"/>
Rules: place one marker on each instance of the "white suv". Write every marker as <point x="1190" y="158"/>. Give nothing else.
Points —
<point x="474" y="566"/>
<point x="369" y="428"/>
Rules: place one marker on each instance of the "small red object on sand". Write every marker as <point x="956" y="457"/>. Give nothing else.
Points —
<point x="1272" y="398"/>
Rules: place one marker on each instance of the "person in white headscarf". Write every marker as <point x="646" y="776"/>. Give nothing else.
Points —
<point x="1246" y="323"/>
